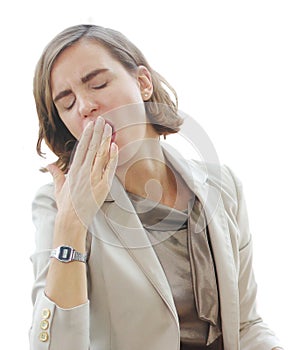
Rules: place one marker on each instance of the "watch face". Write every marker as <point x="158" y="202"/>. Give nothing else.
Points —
<point x="65" y="253"/>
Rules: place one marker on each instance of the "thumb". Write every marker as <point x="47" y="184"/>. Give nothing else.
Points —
<point x="58" y="176"/>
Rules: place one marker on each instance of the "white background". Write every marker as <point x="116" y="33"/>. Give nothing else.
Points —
<point x="230" y="62"/>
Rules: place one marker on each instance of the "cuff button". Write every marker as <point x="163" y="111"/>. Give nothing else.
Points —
<point x="44" y="324"/>
<point x="46" y="313"/>
<point x="43" y="337"/>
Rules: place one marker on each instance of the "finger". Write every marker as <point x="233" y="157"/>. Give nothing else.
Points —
<point x="95" y="142"/>
<point x="103" y="152"/>
<point x="58" y="177"/>
<point x="82" y="146"/>
<point x="111" y="166"/>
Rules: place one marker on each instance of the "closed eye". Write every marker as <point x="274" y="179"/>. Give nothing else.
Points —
<point x="71" y="105"/>
<point x="97" y="87"/>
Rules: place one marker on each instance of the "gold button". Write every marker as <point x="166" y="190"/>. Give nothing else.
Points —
<point x="43" y="337"/>
<point x="46" y="313"/>
<point x="44" y="324"/>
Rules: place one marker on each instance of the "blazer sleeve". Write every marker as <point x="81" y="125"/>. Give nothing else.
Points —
<point x="52" y="328"/>
<point x="254" y="333"/>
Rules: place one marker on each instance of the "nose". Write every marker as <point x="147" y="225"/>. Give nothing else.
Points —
<point x="87" y="107"/>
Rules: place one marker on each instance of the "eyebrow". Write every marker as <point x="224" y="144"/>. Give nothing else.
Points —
<point x="84" y="80"/>
<point x="93" y="74"/>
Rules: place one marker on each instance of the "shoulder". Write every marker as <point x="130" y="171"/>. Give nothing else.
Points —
<point x="219" y="175"/>
<point x="230" y="189"/>
<point x="222" y="177"/>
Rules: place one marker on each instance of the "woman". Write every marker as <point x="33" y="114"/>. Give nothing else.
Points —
<point x="132" y="250"/>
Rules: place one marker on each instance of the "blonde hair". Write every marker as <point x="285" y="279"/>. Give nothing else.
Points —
<point x="51" y="128"/>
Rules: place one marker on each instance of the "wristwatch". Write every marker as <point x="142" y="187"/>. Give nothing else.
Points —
<point x="66" y="254"/>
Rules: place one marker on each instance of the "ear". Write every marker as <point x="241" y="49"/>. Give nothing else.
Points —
<point x="145" y="82"/>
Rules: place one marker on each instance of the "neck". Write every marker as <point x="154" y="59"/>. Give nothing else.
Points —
<point x="146" y="173"/>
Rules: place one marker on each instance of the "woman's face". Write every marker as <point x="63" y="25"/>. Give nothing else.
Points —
<point x="87" y="82"/>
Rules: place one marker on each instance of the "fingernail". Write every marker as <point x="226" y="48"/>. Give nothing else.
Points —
<point x="107" y="128"/>
<point x="114" y="146"/>
<point x="89" y="124"/>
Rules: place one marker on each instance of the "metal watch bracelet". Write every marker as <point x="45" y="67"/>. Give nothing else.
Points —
<point x="65" y="254"/>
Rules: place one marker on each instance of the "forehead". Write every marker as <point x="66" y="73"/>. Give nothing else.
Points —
<point x="79" y="59"/>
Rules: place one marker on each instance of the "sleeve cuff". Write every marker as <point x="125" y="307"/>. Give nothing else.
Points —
<point x="57" y="328"/>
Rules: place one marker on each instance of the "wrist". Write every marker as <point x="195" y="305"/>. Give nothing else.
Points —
<point x="69" y="223"/>
<point x="70" y="232"/>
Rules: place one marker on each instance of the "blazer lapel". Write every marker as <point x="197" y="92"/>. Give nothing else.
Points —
<point x="226" y="275"/>
<point x="210" y="197"/>
<point x="121" y="217"/>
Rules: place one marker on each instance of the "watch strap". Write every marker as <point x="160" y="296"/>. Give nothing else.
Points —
<point x="79" y="256"/>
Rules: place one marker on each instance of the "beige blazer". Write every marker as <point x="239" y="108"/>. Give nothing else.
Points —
<point x="130" y="304"/>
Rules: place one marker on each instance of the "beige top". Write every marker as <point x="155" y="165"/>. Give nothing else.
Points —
<point x="181" y="243"/>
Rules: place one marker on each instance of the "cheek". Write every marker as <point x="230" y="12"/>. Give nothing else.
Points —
<point x="121" y="96"/>
<point x="129" y="121"/>
<point x="75" y="129"/>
